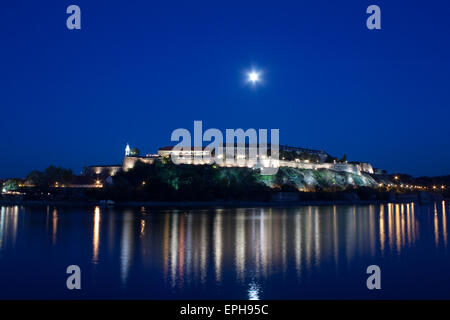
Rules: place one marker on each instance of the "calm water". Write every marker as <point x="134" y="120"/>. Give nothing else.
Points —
<point x="252" y="253"/>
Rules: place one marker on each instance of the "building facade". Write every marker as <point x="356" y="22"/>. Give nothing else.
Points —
<point x="196" y="155"/>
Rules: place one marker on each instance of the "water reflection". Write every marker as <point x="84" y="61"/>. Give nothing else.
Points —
<point x="126" y="245"/>
<point x="261" y="243"/>
<point x="436" y="226"/>
<point x="381" y="227"/>
<point x="8" y="226"/>
<point x="54" y="225"/>
<point x="245" y="246"/>
<point x="440" y="218"/>
<point x="218" y="245"/>
<point x="444" y="224"/>
<point x="96" y="234"/>
<point x="253" y="291"/>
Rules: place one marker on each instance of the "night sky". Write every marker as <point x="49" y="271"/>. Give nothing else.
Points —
<point x="137" y="70"/>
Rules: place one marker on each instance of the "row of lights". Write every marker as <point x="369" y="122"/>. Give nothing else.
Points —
<point x="409" y="186"/>
<point x="98" y="184"/>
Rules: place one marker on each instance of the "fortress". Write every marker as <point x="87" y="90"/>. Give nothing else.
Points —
<point x="294" y="157"/>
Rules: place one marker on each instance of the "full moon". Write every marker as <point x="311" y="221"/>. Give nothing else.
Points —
<point x="253" y="77"/>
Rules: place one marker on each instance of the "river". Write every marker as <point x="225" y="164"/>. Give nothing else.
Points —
<point x="305" y="252"/>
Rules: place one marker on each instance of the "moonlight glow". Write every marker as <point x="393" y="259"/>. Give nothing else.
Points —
<point x="253" y="77"/>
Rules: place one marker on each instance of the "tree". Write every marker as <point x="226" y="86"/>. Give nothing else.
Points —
<point x="330" y="159"/>
<point x="37" y="178"/>
<point x="287" y="155"/>
<point x="50" y="176"/>
<point x="11" y="185"/>
<point x="57" y="174"/>
<point x="165" y="180"/>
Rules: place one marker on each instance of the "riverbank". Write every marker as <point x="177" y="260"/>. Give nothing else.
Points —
<point x="206" y="204"/>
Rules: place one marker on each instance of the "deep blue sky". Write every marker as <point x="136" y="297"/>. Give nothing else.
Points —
<point x="137" y="70"/>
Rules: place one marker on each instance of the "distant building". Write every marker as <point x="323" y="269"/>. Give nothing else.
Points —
<point x="320" y="153"/>
<point x="200" y="151"/>
<point x="186" y="152"/>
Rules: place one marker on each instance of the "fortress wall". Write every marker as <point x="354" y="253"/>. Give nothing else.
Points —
<point x="102" y="170"/>
<point x="347" y="167"/>
<point x="129" y="162"/>
<point x="366" y="167"/>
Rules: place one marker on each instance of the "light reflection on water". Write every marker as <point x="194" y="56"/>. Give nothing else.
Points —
<point x="126" y="245"/>
<point x="259" y="243"/>
<point x="214" y="248"/>
<point x="96" y="236"/>
<point x="8" y="226"/>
